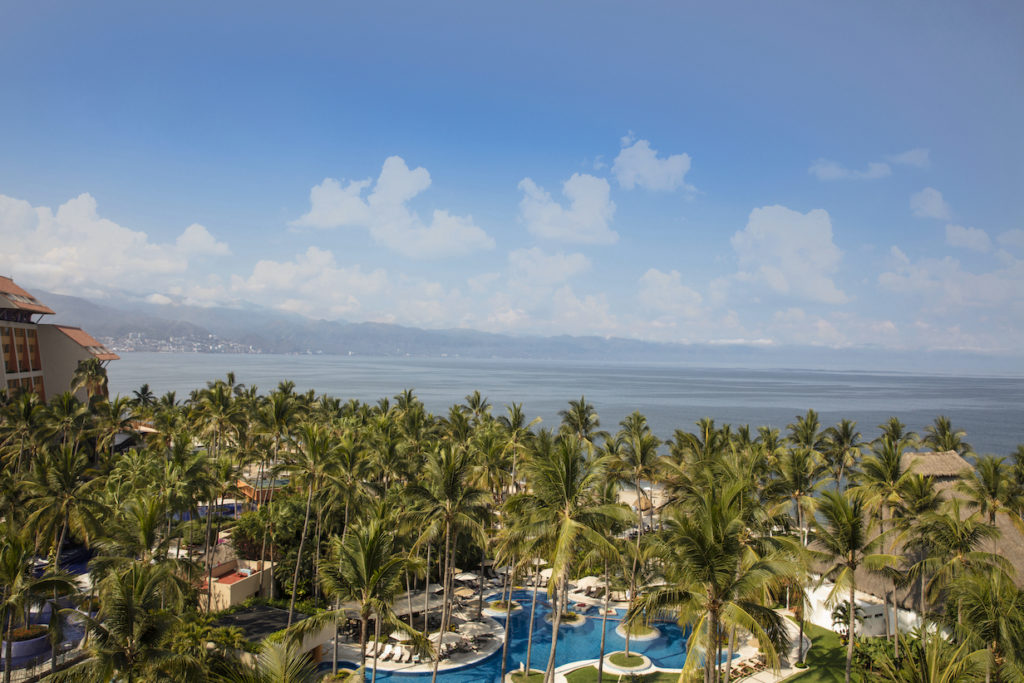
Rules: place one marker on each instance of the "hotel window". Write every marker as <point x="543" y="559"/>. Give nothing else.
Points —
<point x="6" y="336"/>
<point x="39" y="388"/>
<point x="21" y="344"/>
<point x="33" y="351"/>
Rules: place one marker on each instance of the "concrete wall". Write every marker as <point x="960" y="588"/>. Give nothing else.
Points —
<point x="229" y="595"/>
<point x="820" y="611"/>
<point x="60" y="360"/>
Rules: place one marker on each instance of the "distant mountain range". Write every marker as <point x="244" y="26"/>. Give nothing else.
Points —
<point x="270" y="331"/>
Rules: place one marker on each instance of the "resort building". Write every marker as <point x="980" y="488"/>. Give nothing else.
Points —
<point x="37" y="357"/>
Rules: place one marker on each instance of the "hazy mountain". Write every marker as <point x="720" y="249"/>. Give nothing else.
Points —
<point x="273" y="331"/>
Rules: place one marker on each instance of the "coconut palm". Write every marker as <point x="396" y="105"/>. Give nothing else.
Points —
<point x="22" y="429"/>
<point x="989" y="489"/>
<point x="842" y="449"/>
<point x="277" y="662"/>
<point x="581" y="420"/>
<point x="928" y="657"/>
<point x="711" y="580"/>
<point x="91" y="376"/>
<point x="843" y="539"/>
<point x="992" y="618"/>
<point x="562" y="513"/>
<point x="128" y="637"/>
<point x="447" y="505"/>
<point x="20" y="589"/>
<point x="940" y="436"/>
<point x="310" y="465"/>
<point x="800" y="474"/>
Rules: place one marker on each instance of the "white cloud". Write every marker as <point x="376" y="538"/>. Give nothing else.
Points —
<point x="585" y="221"/>
<point x="666" y="293"/>
<point x="159" y="299"/>
<point x="533" y="268"/>
<point x="946" y="287"/>
<point x="928" y="203"/>
<point x="967" y="238"/>
<point x="197" y="240"/>
<point x="312" y="284"/>
<point x="76" y="250"/>
<point x="917" y="157"/>
<point x="1012" y="238"/>
<point x="791" y="253"/>
<point x="825" y="169"/>
<point x="638" y="165"/>
<point x="387" y="218"/>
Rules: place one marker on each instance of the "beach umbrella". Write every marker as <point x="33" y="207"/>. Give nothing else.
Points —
<point x="467" y="576"/>
<point x="589" y="582"/>
<point x="474" y="629"/>
<point x="504" y="570"/>
<point x="546" y="573"/>
<point x="447" y="637"/>
<point x="401" y="636"/>
<point x="465" y="592"/>
<point x="437" y="588"/>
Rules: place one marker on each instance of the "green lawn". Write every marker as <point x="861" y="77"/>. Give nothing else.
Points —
<point x="826" y="661"/>
<point x="589" y="675"/>
<point x="620" y="659"/>
<point x="533" y="677"/>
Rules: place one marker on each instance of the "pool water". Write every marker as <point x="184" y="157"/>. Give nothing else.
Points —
<point x="575" y="643"/>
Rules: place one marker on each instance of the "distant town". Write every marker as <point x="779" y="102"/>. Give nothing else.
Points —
<point x="209" y="343"/>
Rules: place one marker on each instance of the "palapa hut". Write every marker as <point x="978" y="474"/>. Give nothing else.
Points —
<point x="946" y="468"/>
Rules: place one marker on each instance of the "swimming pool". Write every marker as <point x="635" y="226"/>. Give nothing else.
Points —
<point x="575" y="643"/>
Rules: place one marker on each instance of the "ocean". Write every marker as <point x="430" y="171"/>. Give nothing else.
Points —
<point x="989" y="408"/>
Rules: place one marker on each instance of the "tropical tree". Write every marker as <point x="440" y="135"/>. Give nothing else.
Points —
<point x="989" y="488"/>
<point x="561" y="513"/>
<point x="713" y="582"/>
<point x="940" y="436"/>
<point x="842" y="538"/>
<point x="842" y="449"/>
<point x="277" y="662"/>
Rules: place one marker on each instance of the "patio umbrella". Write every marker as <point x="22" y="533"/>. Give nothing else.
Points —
<point x="447" y="637"/>
<point x="401" y="636"/>
<point x="465" y="592"/>
<point x="589" y="582"/>
<point x="474" y="629"/>
<point x="467" y="576"/>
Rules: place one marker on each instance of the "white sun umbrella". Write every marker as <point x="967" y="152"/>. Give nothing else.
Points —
<point x="536" y="562"/>
<point x="447" y="637"/>
<point x="401" y="636"/>
<point x="437" y="588"/>
<point x="467" y="576"/>
<point x="473" y="629"/>
<point x="589" y="582"/>
<point x="546" y="573"/>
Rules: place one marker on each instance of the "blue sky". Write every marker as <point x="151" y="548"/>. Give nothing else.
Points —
<point x="759" y="173"/>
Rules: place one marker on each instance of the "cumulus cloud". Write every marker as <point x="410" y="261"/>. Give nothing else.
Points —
<point x="637" y="165"/>
<point x="585" y="220"/>
<point x="665" y="293"/>
<point x="1012" y="238"/>
<point x="75" y="249"/>
<point x="928" y="203"/>
<point x="945" y="286"/>
<point x="535" y="268"/>
<point x="312" y="284"/>
<point x="790" y="252"/>
<point x="917" y="157"/>
<point x="826" y="169"/>
<point x="384" y="214"/>
<point x="975" y="239"/>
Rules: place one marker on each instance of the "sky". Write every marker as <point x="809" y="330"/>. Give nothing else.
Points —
<point x="763" y="173"/>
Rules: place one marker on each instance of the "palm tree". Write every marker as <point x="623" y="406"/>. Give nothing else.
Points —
<point x="561" y="512"/>
<point x="800" y="476"/>
<point x="843" y="538"/>
<point x="883" y="479"/>
<point x="447" y="504"/>
<point x="842" y="448"/>
<point x="713" y="582"/>
<point x="21" y="429"/>
<point x="989" y="489"/>
<point x="20" y="589"/>
<point x="128" y="636"/>
<point x="91" y="376"/>
<point x="311" y="464"/>
<point x="277" y="662"/>
<point x="60" y="497"/>
<point x="940" y="436"/>
<point x="366" y="568"/>
<point x="581" y="420"/>
<point x="992" y="618"/>
<point x="930" y="658"/>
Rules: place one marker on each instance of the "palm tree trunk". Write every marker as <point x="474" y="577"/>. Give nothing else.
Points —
<point x="444" y="601"/>
<point x="549" y="673"/>
<point x="604" y="623"/>
<point x="508" y="626"/>
<point x="426" y="595"/>
<point x="728" y="658"/>
<point x="849" y="635"/>
<point x="337" y="634"/>
<point x="298" y="558"/>
<point x="8" y="645"/>
<point x="376" y="648"/>
<point x="362" y="645"/>
<point x="533" y="613"/>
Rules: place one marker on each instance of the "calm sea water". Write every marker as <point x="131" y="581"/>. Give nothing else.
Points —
<point x="990" y="409"/>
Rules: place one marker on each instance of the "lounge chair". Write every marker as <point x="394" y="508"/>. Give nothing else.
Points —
<point x="386" y="654"/>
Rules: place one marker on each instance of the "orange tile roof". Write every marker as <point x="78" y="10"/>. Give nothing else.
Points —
<point x="87" y="342"/>
<point x="20" y="298"/>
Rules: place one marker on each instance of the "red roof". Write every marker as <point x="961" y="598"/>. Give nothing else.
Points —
<point x="20" y="298"/>
<point x="88" y="342"/>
